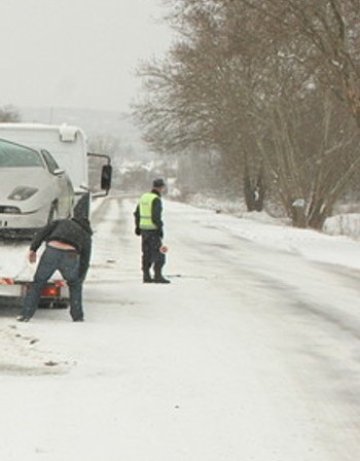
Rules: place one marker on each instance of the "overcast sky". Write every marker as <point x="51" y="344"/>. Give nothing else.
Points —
<point x="77" y="53"/>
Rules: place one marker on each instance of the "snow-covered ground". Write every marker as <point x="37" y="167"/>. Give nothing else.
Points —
<point x="317" y="246"/>
<point x="343" y="223"/>
<point x="251" y="353"/>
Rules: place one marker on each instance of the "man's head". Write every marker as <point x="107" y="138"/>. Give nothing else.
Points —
<point x="159" y="184"/>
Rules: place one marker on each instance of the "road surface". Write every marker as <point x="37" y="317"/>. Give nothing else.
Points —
<point x="249" y="354"/>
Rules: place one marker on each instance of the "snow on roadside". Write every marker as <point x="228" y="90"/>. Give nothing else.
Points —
<point x="22" y="354"/>
<point x="265" y="230"/>
<point x="311" y="244"/>
<point x="344" y="224"/>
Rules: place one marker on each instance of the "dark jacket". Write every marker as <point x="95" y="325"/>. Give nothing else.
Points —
<point x="75" y="232"/>
<point x="156" y="212"/>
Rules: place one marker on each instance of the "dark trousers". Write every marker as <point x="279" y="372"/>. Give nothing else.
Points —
<point x="67" y="262"/>
<point x="151" y="254"/>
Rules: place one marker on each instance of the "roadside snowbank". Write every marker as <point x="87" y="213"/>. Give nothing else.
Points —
<point x="276" y="233"/>
<point x="344" y="224"/>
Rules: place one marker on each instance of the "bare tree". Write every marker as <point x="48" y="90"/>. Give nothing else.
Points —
<point x="195" y="97"/>
<point x="105" y="144"/>
<point x="9" y="114"/>
<point x="255" y="81"/>
<point x="325" y="39"/>
<point x="310" y="155"/>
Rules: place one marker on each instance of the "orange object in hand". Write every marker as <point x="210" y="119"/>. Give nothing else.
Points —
<point x="32" y="256"/>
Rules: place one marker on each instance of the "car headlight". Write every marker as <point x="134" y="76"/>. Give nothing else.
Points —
<point x="22" y="193"/>
<point x="9" y="210"/>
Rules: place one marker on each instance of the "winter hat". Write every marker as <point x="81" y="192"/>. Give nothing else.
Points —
<point x="159" y="183"/>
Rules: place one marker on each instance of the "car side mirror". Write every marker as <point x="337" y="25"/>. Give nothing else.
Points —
<point x="58" y="171"/>
<point x="106" y="174"/>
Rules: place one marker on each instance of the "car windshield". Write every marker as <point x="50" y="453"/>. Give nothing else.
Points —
<point x="14" y="155"/>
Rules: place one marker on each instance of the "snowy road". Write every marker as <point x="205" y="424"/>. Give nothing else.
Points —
<point x="250" y="354"/>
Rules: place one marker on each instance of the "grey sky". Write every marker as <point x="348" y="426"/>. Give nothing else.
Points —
<point x="76" y="53"/>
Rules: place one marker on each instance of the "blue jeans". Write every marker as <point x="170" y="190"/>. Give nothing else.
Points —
<point x="67" y="262"/>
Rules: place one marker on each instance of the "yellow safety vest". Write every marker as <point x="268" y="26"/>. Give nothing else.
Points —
<point x="145" y="207"/>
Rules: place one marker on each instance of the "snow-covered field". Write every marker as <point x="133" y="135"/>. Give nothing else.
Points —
<point x="251" y="353"/>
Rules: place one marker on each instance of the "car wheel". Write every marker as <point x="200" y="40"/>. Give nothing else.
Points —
<point x="45" y="304"/>
<point x="60" y="304"/>
<point x="53" y="304"/>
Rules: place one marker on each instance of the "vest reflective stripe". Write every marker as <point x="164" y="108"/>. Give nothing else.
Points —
<point x="145" y="205"/>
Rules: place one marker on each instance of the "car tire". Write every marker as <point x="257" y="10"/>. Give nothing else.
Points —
<point x="60" y="304"/>
<point x="45" y="304"/>
<point x="53" y="304"/>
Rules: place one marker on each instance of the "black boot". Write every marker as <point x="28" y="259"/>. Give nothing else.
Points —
<point x="147" y="277"/>
<point x="159" y="278"/>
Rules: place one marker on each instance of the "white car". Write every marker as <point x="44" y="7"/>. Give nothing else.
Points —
<point x="33" y="189"/>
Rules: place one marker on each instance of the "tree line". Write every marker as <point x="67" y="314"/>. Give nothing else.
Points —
<point x="9" y="113"/>
<point x="270" y="90"/>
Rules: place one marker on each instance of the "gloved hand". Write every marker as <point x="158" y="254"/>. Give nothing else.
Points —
<point x="137" y="231"/>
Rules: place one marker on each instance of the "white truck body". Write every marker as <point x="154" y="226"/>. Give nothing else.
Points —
<point x="68" y="146"/>
<point x="16" y="273"/>
<point x="66" y="143"/>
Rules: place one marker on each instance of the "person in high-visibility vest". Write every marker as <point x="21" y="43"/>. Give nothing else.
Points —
<point x="148" y="224"/>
